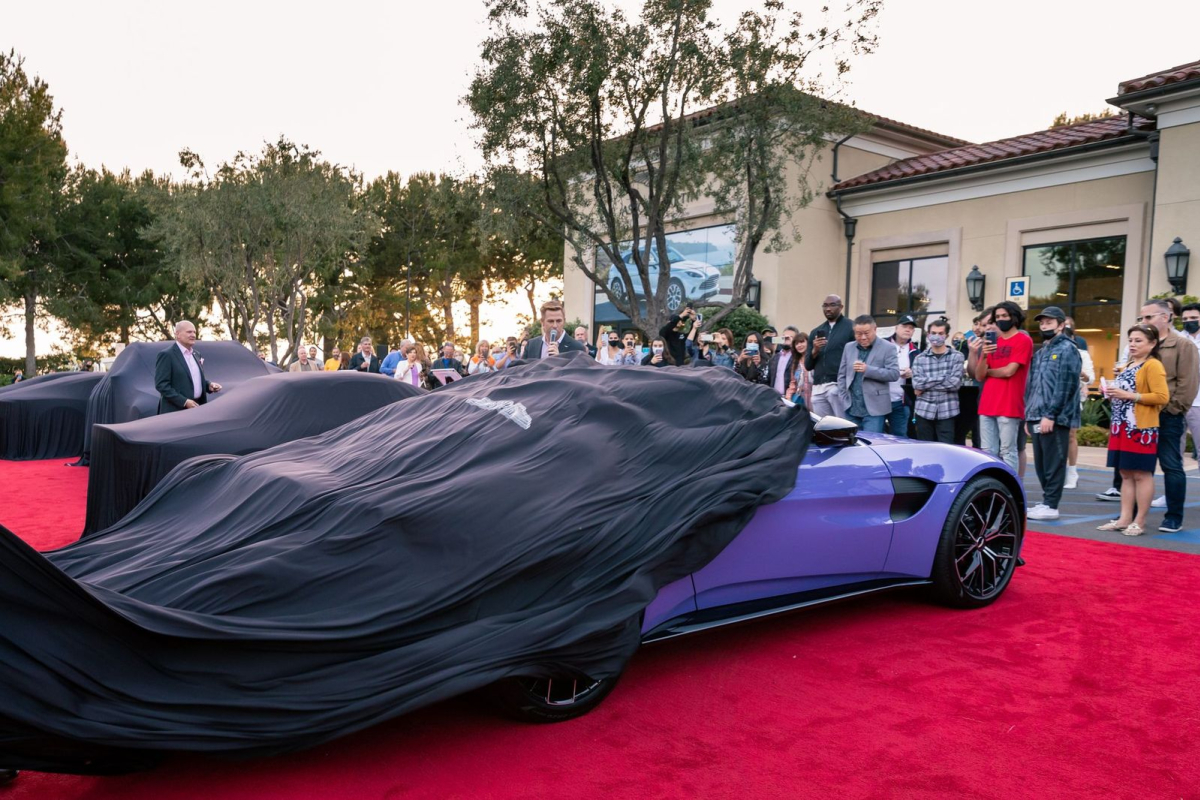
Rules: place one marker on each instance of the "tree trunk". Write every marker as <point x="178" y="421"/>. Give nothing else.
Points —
<point x="124" y="333"/>
<point x="475" y="300"/>
<point x="30" y="317"/>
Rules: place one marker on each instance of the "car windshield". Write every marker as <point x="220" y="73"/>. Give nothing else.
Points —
<point x="672" y="254"/>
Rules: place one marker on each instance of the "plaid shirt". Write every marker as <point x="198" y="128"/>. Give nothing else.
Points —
<point x="938" y="379"/>
<point x="1052" y="390"/>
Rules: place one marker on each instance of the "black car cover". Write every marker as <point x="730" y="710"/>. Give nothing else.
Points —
<point x="35" y="381"/>
<point x="43" y="417"/>
<point x="516" y="525"/>
<point x="127" y="391"/>
<point x="129" y="459"/>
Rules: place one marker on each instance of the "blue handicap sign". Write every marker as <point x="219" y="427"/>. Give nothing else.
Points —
<point x="1018" y="288"/>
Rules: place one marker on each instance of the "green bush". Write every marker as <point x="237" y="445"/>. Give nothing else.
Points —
<point x="1092" y="436"/>
<point x="1097" y="412"/>
<point x="741" y="321"/>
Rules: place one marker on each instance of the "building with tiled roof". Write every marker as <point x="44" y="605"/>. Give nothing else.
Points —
<point x="1078" y="216"/>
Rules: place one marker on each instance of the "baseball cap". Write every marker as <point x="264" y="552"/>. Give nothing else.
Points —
<point x="906" y="320"/>
<point x="1052" y="312"/>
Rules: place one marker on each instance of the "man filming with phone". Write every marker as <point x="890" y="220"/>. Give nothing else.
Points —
<point x="553" y="339"/>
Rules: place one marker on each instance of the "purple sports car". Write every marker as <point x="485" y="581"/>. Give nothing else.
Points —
<point x="868" y="512"/>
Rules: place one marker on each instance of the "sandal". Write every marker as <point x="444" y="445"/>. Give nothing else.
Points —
<point x="1134" y="530"/>
<point x="1112" y="525"/>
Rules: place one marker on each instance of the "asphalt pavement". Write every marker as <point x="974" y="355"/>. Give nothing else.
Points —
<point x="1080" y="512"/>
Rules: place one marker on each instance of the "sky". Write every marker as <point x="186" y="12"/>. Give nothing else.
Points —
<point x="378" y="85"/>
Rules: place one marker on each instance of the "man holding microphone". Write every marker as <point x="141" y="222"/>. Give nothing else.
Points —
<point x="552" y="341"/>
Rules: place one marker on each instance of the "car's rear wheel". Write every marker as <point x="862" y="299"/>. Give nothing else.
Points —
<point x="980" y="543"/>
<point x="617" y="287"/>
<point x="550" y="699"/>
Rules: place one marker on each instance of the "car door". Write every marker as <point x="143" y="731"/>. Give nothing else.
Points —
<point x="834" y="528"/>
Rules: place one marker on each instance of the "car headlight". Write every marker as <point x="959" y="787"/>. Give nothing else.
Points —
<point x="691" y="273"/>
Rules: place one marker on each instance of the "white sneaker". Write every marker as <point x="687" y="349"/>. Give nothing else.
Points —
<point x="1072" y="478"/>
<point x="1041" y="511"/>
<point x="1159" y="502"/>
<point x="1110" y="494"/>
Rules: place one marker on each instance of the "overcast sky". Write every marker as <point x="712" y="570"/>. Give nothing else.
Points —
<point x="377" y="85"/>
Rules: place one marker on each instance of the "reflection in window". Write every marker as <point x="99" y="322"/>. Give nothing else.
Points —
<point x="914" y="286"/>
<point x="1085" y="279"/>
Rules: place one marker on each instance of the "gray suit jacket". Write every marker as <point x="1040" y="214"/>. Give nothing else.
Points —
<point x="883" y="367"/>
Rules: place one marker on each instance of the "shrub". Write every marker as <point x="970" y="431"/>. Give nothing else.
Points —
<point x="1092" y="436"/>
<point x="1097" y="412"/>
<point x="741" y="321"/>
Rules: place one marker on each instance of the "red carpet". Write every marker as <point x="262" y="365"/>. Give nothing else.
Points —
<point x="1082" y="681"/>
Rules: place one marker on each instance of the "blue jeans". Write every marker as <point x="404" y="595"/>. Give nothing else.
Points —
<point x="1170" y="459"/>
<point x="1000" y="438"/>
<point x="897" y="421"/>
<point x="872" y="424"/>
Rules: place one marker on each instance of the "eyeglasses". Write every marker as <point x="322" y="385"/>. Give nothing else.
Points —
<point x="1149" y="317"/>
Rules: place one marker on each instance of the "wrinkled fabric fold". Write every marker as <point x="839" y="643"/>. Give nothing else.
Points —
<point x="512" y="525"/>
<point x="129" y="459"/>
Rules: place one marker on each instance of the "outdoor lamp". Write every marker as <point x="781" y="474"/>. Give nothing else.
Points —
<point x="754" y="294"/>
<point x="975" y="282"/>
<point x="1177" y="257"/>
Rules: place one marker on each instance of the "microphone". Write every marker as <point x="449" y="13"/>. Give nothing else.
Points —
<point x="553" y="335"/>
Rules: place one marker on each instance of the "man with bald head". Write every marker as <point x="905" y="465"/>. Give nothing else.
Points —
<point x="179" y="373"/>
<point x="825" y="346"/>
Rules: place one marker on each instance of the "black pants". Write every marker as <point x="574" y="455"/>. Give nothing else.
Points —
<point x="936" y="430"/>
<point x="967" y="420"/>
<point x="1050" y="461"/>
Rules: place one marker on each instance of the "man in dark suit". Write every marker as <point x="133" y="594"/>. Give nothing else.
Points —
<point x="448" y="361"/>
<point x="553" y="339"/>
<point x="365" y="359"/>
<point x="179" y="373"/>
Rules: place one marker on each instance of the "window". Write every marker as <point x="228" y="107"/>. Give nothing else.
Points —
<point x="1084" y="278"/>
<point x="915" y="286"/>
<point x="701" y="272"/>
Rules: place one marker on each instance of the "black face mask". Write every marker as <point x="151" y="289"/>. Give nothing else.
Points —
<point x="1005" y="325"/>
<point x="614" y="342"/>
<point x="1069" y="331"/>
<point x="1048" y="335"/>
<point x="1191" y="325"/>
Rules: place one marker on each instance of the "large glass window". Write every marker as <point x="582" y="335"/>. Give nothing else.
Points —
<point x="701" y="272"/>
<point x="915" y="286"/>
<point x="1084" y="278"/>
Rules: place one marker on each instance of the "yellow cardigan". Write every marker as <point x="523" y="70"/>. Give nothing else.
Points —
<point x="1152" y="386"/>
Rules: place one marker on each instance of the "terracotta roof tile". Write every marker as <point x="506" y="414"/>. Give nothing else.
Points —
<point x="1184" y="72"/>
<point x="1046" y="141"/>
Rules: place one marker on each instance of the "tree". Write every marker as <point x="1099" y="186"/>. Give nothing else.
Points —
<point x="112" y="282"/>
<point x="1063" y="119"/>
<point x="33" y="165"/>
<point x="600" y="109"/>
<point x="263" y="231"/>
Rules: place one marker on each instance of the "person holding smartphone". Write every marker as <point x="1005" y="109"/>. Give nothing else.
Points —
<point x="1001" y="362"/>
<point x="659" y="355"/>
<point x="752" y="364"/>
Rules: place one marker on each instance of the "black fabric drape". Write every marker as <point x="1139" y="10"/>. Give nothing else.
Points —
<point x="127" y="391"/>
<point x="35" y="381"/>
<point x="43" y="417"/>
<point x="129" y="459"/>
<point x="509" y="526"/>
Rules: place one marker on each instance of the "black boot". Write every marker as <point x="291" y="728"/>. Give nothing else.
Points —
<point x="7" y="776"/>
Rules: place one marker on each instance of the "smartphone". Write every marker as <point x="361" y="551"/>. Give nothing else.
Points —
<point x="706" y="337"/>
<point x="777" y="340"/>
<point x="1103" y="386"/>
<point x="645" y="351"/>
<point x="752" y="348"/>
<point x="990" y="337"/>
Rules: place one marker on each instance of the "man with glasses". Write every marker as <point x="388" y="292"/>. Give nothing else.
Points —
<point x="826" y="344"/>
<point x="778" y="368"/>
<point x="1182" y="362"/>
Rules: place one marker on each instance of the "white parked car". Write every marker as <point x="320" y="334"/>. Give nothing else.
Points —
<point x="690" y="280"/>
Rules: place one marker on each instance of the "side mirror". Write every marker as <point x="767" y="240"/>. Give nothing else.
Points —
<point x="834" y="431"/>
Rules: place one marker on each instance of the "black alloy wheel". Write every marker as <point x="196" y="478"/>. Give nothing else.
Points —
<point x="979" y="546"/>
<point x="550" y="699"/>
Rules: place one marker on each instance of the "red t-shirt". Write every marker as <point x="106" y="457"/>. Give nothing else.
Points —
<point x="1005" y="397"/>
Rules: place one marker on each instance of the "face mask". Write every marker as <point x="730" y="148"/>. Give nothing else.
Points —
<point x="614" y="342"/>
<point x="937" y="339"/>
<point x="1048" y="335"/>
<point x="658" y="351"/>
<point x="1069" y="331"/>
<point x="1192" y="326"/>
<point x="1005" y="325"/>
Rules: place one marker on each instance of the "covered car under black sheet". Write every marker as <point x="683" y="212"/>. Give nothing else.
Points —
<point x="129" y="459"/>
<point x="517" y="525"/>
<point x="127" y="391"/>
<point x="43" y="417"/>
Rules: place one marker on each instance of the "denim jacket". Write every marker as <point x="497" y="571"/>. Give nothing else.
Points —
<point x="1052" y="390"/>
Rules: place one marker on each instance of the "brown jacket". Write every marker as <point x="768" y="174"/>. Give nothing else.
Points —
<point x="1182" y="361"/>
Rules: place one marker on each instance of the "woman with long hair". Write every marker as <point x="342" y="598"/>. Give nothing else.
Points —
<point x="344" y="361"/>
<point x="753" y="363"/>
<point x="1138" y="393"/>
<point x="659" y="355"/>
<point x="797" y="378"/>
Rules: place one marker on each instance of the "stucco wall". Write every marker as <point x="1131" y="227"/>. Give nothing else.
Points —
<point x="1177" y="204"/>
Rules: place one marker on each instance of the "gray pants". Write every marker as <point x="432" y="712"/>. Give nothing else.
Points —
<point x="828" y="402"/>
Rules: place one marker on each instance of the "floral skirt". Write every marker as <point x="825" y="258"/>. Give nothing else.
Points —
<point x="1132" y="449"/>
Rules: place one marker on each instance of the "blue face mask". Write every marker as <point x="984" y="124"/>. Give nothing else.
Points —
<point x="937" y="339"/>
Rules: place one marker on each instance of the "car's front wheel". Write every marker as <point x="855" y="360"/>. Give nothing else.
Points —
<point x="617" y="287"/>
<point x="676" y="295"/>
<point x="979" y="547"/>
<point x="550" y="699"/>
